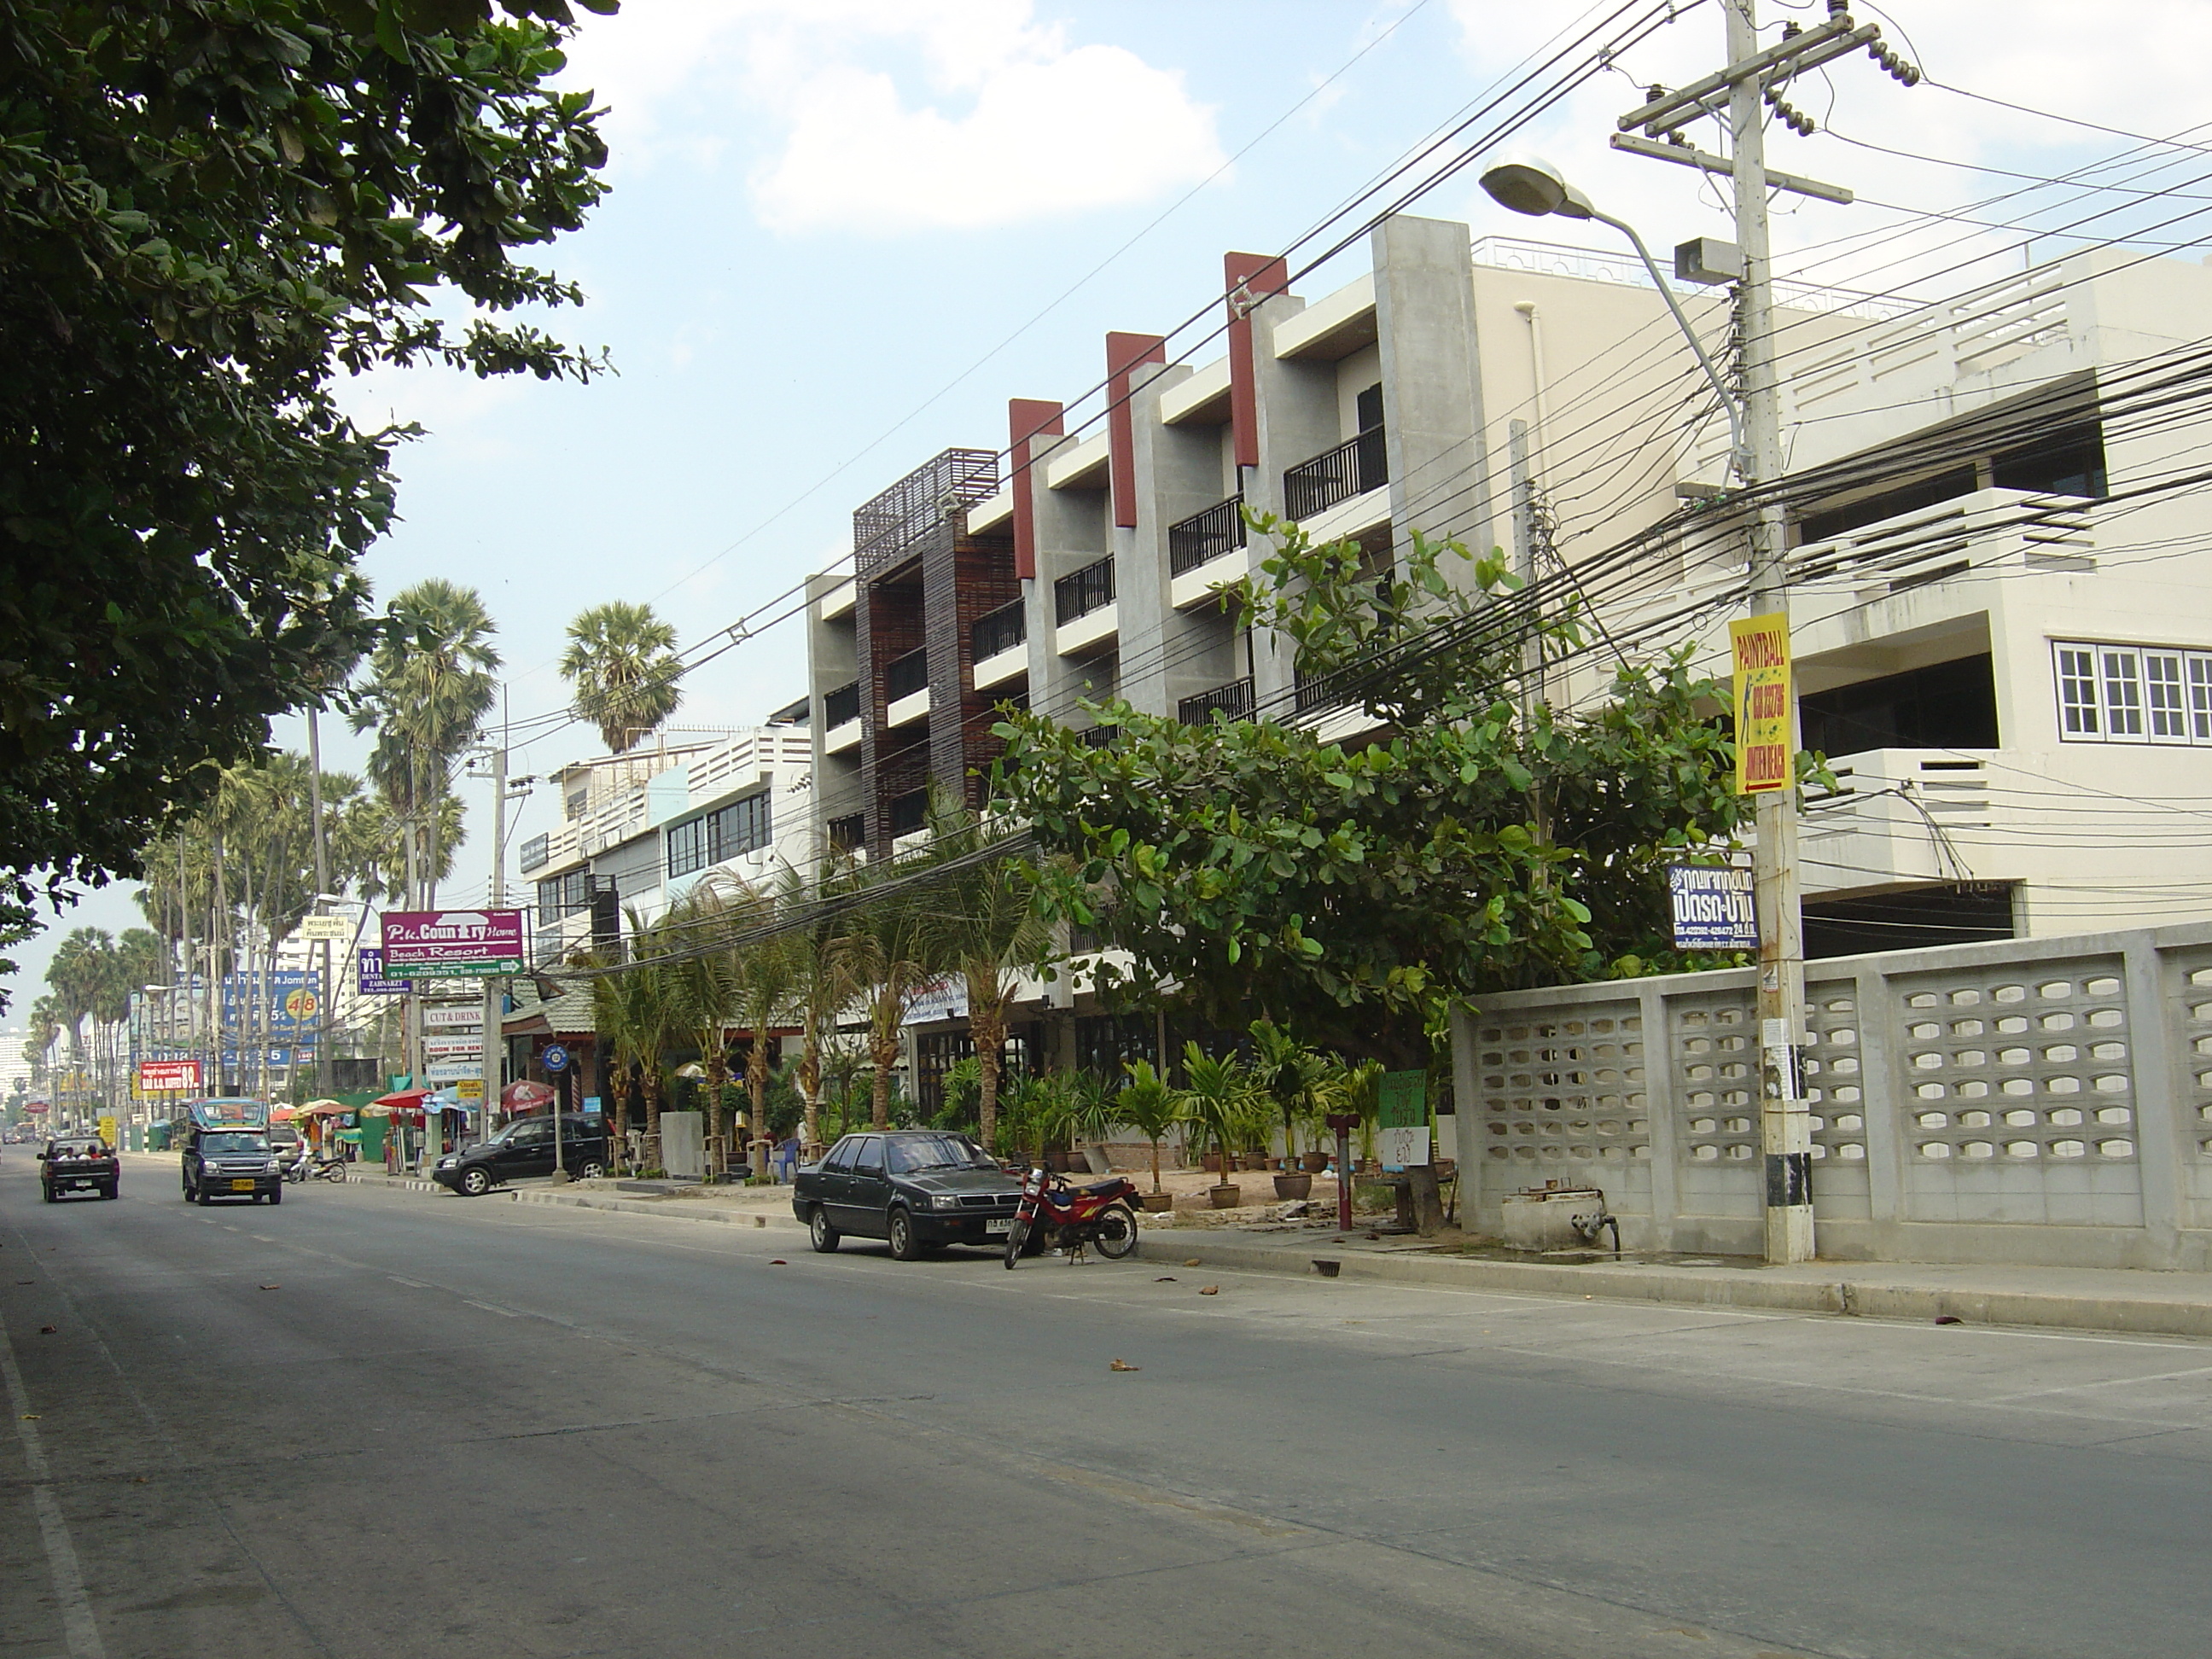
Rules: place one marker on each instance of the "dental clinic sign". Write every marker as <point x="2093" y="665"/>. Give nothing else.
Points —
<point x="451" y="943"/>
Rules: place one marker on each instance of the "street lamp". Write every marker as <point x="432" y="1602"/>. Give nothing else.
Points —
<point x="1535" y="188"/>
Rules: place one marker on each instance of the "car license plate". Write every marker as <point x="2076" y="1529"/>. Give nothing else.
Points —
<point x="1004" y="1224"/>
<point x="241" y="1185"/>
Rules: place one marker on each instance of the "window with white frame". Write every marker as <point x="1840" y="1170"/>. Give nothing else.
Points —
<point x="2132" y="693"/>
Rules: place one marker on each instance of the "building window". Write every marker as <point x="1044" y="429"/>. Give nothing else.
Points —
<point x="2131" y="694"/>
<point x="559" y="896"/>
<point x="2077" y="693"/>
<point x="2163" y="681"/>
<point x="743" y="826"/>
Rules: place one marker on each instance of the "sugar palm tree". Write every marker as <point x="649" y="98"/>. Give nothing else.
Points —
<point x="622" y="661"/>
<point x="430" y="685"/>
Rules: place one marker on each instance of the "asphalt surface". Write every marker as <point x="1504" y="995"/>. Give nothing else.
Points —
<point x="378" y="1423"/>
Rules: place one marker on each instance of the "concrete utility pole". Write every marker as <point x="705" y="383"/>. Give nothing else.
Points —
<point x="326" y="1024"/>
<point x="493" y="989"/>
<point x="1740" y="94"/>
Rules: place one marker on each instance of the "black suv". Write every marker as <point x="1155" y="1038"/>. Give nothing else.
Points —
<point x="920" y="1188"/>
<point x="525" y="1147"/>
<point x="230" y="1162"/>
<point x="78" y="1164"/>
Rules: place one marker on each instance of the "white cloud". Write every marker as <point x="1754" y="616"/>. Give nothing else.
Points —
<point x="888" y="116"/>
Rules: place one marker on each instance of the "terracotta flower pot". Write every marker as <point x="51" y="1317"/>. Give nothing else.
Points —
<point x="1314" y="1162"/>
<point x="1211" y="1162"/>
<point x="1156" y="1203"/>
<point x="1293" y="1186"/>
<point x="1226" y="1196"/>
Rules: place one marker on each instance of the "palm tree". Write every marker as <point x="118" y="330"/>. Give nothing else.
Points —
<point x="1219" y="1104"/>
<point x="430" y="685"/>
<point x="621" y="660"/>
<point x="1149" y="1106"/>
<point x="989" y="931"/>
<point x="771" y="973"/>
<point x="895" y="945"/>
<point x="708" y="986"/>
<point x="823" y="985"/>
<point x="636" y="1006"/>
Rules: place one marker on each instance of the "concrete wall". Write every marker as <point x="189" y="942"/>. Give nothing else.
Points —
<point x="2034" y="1101"/>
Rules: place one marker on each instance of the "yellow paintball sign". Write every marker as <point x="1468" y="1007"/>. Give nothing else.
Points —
<point x="1761" y="646"/>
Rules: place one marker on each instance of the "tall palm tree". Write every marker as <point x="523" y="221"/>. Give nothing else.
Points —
<point x="621" y="660"/>
<point x="772" y="972"/>
<point x="989" y="931"/>
<point x="430" y="685"/>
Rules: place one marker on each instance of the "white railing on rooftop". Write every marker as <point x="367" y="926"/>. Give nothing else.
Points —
<point x="1604" y="265"/>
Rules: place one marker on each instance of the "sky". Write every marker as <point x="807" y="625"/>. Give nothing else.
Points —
<point x="841" y="233"/>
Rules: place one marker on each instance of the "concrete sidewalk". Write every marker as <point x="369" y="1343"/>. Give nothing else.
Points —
<point x="2080" y="1298"/>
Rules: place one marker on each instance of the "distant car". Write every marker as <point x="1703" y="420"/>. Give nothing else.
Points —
<point x="525" y="1147"/>
<point x="78" y="1164"/>
<point x="920" y="1189"/>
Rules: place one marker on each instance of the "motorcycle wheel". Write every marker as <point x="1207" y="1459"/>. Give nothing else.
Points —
<point x="1015" y="1235"/>
<point x="1117" y="1233"/>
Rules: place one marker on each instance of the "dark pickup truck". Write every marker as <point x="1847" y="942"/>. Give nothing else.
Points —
<point x="78" y="1164"/>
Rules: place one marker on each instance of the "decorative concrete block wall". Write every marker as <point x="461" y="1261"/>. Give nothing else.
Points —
<point x="2044" y="1100"/>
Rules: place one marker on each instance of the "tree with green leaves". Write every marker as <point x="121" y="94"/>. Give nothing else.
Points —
<point x="1345" y="889"/>
<point x="209" y="209"/>
<point x="635" y="1006"/>
<point x="1149" y="1106"/>
<point x="622" y="661"/>
<point x="893" y="944"/>
<point x="430" y="683"/>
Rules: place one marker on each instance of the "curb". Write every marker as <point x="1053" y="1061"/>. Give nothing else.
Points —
<point x="1864" y="1297"/>
<point x="676" y="1210"/>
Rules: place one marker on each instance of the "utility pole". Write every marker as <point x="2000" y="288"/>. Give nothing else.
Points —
<point x="1755" y="80"/>
<point x="326" y="1025"/>
<point x="493" y="989"/>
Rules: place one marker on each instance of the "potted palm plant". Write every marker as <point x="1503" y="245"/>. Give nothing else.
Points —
<point x="1289" y="1073"/>
<point x="1090" y="1118"/>
<point x="1218" y="1104"/>
<point x="1150" y="1107"/>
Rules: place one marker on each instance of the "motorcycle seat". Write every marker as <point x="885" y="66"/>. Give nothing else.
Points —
<point x="1096" y="1188"/>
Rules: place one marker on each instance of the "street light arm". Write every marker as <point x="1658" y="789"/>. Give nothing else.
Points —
<point x="1728" y="400"/>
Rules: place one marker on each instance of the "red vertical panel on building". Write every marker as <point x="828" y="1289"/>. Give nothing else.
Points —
<point x="1249" y="279"/>
<point x="1124" y="352"/>
<point x="1026" y="418"/>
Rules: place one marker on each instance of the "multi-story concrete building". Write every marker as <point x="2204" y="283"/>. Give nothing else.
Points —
<point x="639" y="829"/>
<point x="2008" y="695"/>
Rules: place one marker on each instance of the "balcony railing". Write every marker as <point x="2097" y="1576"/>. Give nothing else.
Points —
<point x="1352" y="468"/>
<point x="1204" y="537"/>
<point x="1000" y="630"/>
<point x="849" y="833"/>
<point x="1099" y="737"/>
<point x="1232" y="701"/>
<point x="839" y="705"/>
<point x="907" y="675"/>
<point x="1085" y="590"/>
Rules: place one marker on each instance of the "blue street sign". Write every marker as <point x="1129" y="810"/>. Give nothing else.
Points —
<point x="554" y="1057"/>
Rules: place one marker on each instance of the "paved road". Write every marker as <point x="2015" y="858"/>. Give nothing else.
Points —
<point x="506" y="1430"/>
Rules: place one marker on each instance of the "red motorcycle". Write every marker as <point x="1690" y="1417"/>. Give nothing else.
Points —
<point x="1054" y="1214"/>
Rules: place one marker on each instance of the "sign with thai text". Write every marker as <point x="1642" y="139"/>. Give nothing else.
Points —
<point x="165" y="1076"/>
<point x="1763" y="704"/>
<point x="372" y="980"/>
<point x="1713" y="907"/>
<point x="452" y="944"/>
<point x="314" y="929"/>
<point x="1401" y="1122"/>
